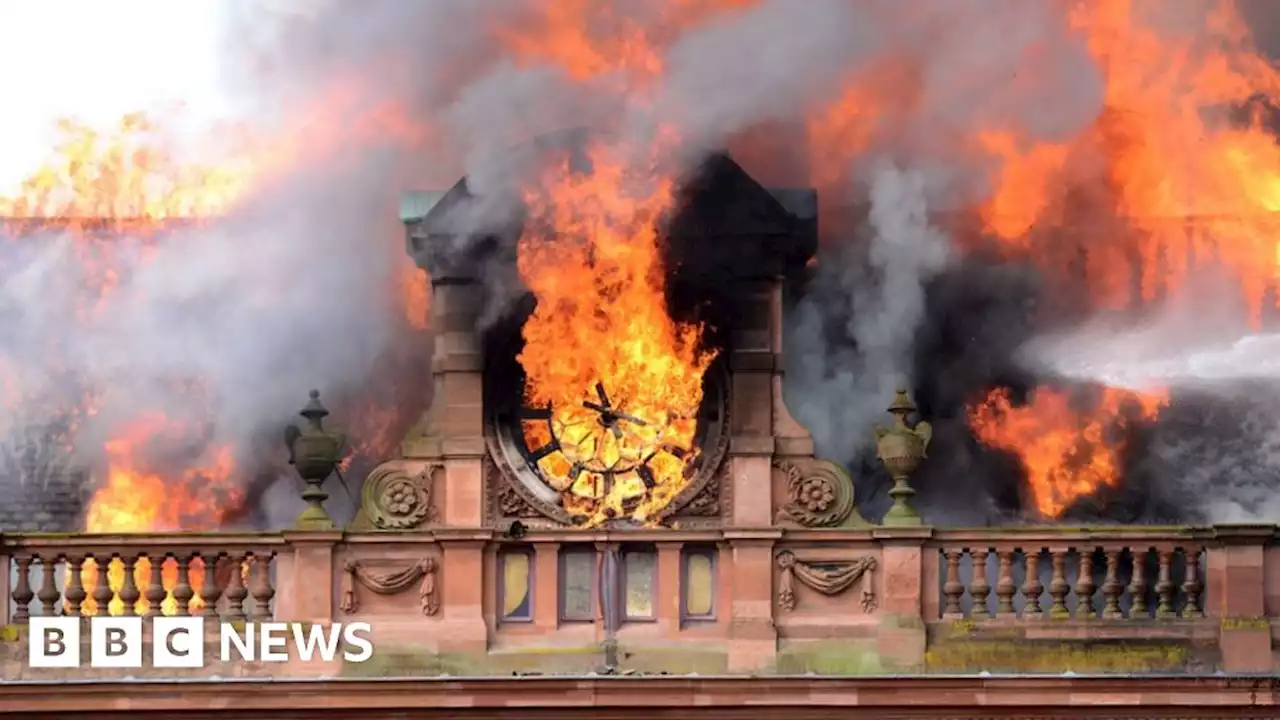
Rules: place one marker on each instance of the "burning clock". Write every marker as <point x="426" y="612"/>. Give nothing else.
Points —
<point x="601" y="458"/>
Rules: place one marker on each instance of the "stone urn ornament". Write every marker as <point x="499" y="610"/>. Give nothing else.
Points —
<point x="315" y="454"/>
<point x="901" y="447"/>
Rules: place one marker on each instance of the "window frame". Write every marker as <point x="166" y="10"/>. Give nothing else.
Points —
<point x="623" y="576"/>
<point x="713" y="555"/>
<point x="501" y="585"/>
<point x="562" y="589"/>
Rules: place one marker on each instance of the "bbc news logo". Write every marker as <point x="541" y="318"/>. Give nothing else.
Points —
<point x="179" y="642"/>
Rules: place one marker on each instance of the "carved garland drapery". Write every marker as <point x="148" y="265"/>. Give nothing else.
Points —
<point x="391" y="583"/>
<point x="828" y="578"/>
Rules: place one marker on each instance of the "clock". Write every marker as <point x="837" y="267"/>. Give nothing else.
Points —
<point x="596" y="461"/>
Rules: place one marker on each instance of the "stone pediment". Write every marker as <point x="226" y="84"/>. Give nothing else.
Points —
<point x="721" y="200"/>
<point x="722" y="214"/>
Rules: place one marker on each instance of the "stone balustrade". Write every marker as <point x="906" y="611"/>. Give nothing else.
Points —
<point x="829" y="601"/>
<point x="228" y="576"/>
<point x="1107" y="574"/>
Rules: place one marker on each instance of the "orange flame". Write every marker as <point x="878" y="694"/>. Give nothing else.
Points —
<point x="600" y="341"/>
<point x="123" y="174"/>
<point x="1187" y="185"/>
<point x="111" y="193"/>
<point x="134" y="499"/>
<point x="588" y="39"/>
<point x="1067" y="452"/>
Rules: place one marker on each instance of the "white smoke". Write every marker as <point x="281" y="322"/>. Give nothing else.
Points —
<point x="843" y="390"/>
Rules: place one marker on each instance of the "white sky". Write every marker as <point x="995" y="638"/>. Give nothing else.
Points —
<point x="98" y="60"/>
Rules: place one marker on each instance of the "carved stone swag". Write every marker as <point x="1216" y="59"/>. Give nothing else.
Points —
<point x="391" y="583"/>
<point x="828" y="578"/>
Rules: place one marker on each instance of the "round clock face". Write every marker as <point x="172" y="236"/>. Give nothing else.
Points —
<point x="597" y="460"/>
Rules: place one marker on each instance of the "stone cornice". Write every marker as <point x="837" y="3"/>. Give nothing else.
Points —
<point x="748" y="697"/>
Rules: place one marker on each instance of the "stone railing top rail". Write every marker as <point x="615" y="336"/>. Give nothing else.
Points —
<point x="1117" y="534"/>
<point x="1048" y="535"/>
<point x="149" y="543"/>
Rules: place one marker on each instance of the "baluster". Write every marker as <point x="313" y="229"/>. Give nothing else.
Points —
<point x="1032" y="588"/>
<point x="209" y="590"/>
<point x="953" y="589"/>
<point x="1111" y="587"/>
<point x="129" y="593"/>
<point x="102" y="593"/>
<point x="1164" y="585"/>
<point x="236" y="591"/>
<point x="75" y="593"/>
<point x="22" y="593"/>
<point x="979" y="589"/>
<point x="48" y="594"/>
<point x="1138" y="585"/>
<point x="155" y="592"/>
<point x="1058" y="587"/>
<point x="1191" y="586"/>
<point x="262" y="590"/>
<point x="182" y="592"/>
<point x="1005" y="589"/>
<point x="1085" y="586"/>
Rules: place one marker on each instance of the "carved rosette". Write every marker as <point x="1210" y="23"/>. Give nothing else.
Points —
<point x="396" y="498"/>
<point x="819" y="494"/>
<point x="709" y="507"/>
<point x="829" y="578"/>
<point x="508" y="500"/>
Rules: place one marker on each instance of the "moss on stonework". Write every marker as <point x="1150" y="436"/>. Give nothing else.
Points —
<point x="832" y="657"/>
<point x="422" y="662"/>
<point x="544" y="660"/>
<point x="1023" y="656"/>
<point x="408" y="662"/>
<point x="896" y="621"/>
<point x="673" y="660"/>
<point x="1230" y="624"/>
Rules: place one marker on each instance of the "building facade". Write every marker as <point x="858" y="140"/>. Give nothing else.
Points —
<point x="467" y="561"/>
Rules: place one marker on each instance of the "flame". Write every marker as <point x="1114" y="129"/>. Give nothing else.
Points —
<point x="136" y="499"/>
<point x="1186" y="184"/>
<point x="123" y="174"/>
<point x="415" y="294"/>
<point x="600" y="340"/>
<point x="1164" y="181"/>
<point x="588" y="39"/>
<point x="113" y="193"/>
<point x="1068" y="452"/>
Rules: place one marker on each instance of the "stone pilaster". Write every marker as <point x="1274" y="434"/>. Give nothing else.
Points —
<point x="452" y="431"/>
<point x="462" y="589"/>
<point x="753" y="638"/>
<point x="670" y="588"/>
<point x="1236" y="581"/>
<point x="308" y="574"/>
<point x="901" y="637"/>
<point x="751" y="442"/>
<point x="546" y="596"/>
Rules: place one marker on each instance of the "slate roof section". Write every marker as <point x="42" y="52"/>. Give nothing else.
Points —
<point x="54" y="503"/>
